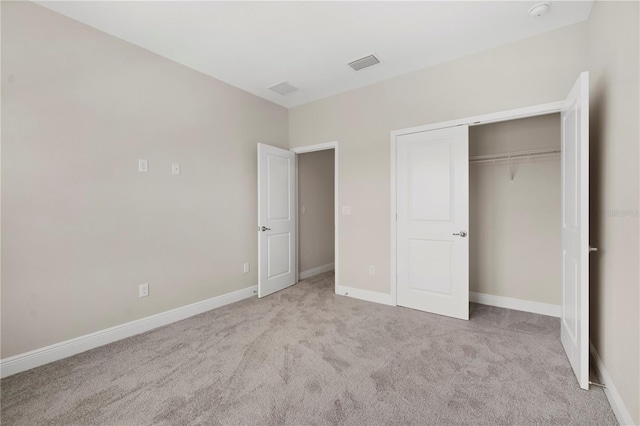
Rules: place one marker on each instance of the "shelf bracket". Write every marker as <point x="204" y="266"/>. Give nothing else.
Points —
<point x="511" y="169"/>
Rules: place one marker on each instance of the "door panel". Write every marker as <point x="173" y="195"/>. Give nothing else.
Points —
<point x="279" y="249"/>
<point x="574" y="321"/>
<point x="434" y="276"/>
<point x="276" y="219"/>
<point x="433" y="205"/>
<point x="430" y="180"/>
<point x="279" y="194"/>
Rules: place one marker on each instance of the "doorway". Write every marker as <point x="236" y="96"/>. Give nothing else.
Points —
<point x="278" y="257"/>
<point x="319" y="165"/>
<point x="514" y="211"/>
<point x="316" y="218"/>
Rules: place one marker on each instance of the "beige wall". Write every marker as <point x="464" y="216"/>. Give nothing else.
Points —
<point x="615" y="137"/>
<point x="315" y="209"/>
<point x="514" y="226"/>
<point x="81" y="228"/>
<point x="533" y="71"/>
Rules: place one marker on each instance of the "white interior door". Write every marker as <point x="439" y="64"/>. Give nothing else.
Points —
<point x="276" y="219"/>
<point x="433" y="221"/>
<point x="575" y="229"/>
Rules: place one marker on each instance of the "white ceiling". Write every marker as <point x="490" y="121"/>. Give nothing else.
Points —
<point x="253" y="45"/>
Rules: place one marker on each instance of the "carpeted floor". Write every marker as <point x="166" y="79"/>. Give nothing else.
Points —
<point x="306" y="356"/>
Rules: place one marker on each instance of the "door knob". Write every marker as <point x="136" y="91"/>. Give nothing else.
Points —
<point x="264" y="228"/>
<point x="461" y="233"/>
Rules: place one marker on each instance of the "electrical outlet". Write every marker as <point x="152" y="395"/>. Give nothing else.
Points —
<point x="143" y="166"/>
<point x="372" y="270"/>
<point x="143" y="290"/>
<point x="247" y="267"/>
<point x="346" y="210"/>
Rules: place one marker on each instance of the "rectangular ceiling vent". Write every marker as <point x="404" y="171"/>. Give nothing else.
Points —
<point x="365" y="62"/>
<point x="283" y="88"/>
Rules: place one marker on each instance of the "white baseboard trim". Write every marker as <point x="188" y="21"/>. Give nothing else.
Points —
<point x="55" y="352"/>
<point x="315" y="271"/>
<point x="615" y="400"/>
<point x="516" y="304"/>
<point x="369" y="296"/>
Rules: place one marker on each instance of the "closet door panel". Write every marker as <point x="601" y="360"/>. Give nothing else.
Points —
<point x="433" y="220"/>
<point x="574" y="323"/>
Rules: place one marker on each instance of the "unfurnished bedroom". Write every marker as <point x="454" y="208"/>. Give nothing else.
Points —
<point x="320" y="213"/>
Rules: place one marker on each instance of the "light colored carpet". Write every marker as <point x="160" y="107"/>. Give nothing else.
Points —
<point x="306" y="356"/>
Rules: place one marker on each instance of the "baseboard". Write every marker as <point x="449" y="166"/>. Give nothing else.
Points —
<point x="55" y="352"/>
<point x="315" y="271"/>
<point x="615" y="400"/>
<point x="369" y="296"/>
<point x="516" y="304"/>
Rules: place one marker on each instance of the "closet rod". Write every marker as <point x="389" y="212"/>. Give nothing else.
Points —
<point x="515" y="155"/>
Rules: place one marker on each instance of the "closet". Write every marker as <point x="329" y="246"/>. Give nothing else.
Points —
<point x="515" y="245"/>
<point x="495" y="208"/>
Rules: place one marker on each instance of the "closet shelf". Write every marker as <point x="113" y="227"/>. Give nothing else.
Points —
<point x="516" y="155"/>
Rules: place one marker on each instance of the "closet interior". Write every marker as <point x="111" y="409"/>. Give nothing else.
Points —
<point x="515" y="209"/>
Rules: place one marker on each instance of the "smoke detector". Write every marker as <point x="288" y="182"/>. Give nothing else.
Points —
<point x="540" y="9"/>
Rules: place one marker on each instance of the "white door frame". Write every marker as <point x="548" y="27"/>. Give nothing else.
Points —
<point x="313" y="148"/>
<point x="495" y="117"/>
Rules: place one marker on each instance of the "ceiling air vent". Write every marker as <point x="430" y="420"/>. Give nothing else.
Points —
<point x="283" y="88"/>
<point x="365" y="62"/>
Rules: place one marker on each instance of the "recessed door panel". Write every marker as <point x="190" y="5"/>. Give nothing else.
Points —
<point x="570" y="295"/>
<point x="430" y="180"/>
<point x="279" y="254"/>
<point x="279" y="196"/>
<point x="569" y="159"/>
<point x="435" y="275"/>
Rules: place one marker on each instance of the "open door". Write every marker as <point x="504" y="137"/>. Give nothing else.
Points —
<point x="276" y="219"/>
<point x="575" y="229"/>
<point x="433" y="221"/>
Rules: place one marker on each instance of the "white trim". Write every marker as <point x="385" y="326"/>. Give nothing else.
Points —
<point x="369" y="296"/>
<point x="57" y="351"/>
<point x="394" y="222"/>
<point x="494" y="117"/>
<point x="513" y="114"/>
<point x="615" y="400"/>
<point x="297" y="262"/>
<point x="322" y="147"/>
<point x="516" y="304"/>
<point x="314" y="148"/>
<point x="319" y="270"/>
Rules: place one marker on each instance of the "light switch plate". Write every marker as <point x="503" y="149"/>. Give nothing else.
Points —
<point x="143" y="166"/>
<point x="175" y="169"/>
<point x="346" y="210"/>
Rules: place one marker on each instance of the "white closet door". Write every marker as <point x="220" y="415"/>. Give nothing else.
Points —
<point x="276" y="219"/>
<point x="433" y="221"/>
<point x="575" y="229"/>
